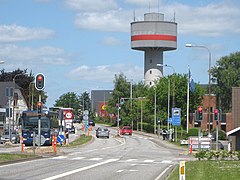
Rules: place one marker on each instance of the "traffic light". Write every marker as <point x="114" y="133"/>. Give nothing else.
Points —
<point x="122" y="101"/>
<point x="200" y="113"/>
<point x="39" y="107"/>
<point x="39" y="82"/>
<point x="216" y="114"/>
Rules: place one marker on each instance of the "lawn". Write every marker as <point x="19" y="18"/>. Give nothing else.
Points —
<point x="210" y="170"/>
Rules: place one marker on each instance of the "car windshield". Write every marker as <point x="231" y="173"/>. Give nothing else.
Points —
<point x="102" y="129"/>
<point x="128" y="128"/>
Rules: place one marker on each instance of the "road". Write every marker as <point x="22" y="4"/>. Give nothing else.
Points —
<point x="130" y="157"/>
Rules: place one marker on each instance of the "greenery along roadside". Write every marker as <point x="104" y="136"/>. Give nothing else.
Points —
<point x="6" y="157"/>
<point x="210" y="170"/>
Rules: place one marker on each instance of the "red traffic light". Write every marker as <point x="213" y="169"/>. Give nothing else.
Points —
<point x="39" y="103"/>
<point x="199" y="108"/>
<point x="215" y="111"/>
<point x="39" y="82"/>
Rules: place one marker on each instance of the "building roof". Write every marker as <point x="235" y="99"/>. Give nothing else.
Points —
<point x="229" y="133"/>
<point x="3" y="86"/>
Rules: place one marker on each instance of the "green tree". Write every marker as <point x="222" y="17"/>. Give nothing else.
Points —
<point x="85" y="103"/>
<point x="69" y="100"/>
<point x="227" y="75"/>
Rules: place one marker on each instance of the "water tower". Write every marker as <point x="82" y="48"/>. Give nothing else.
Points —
<point x="153" y="36"/>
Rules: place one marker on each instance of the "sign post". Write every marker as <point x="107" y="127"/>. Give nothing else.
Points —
<point x="182" y="170"/>
<point x="176" y="119"/>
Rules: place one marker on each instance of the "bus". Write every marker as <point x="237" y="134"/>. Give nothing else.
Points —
<point x="29" y="121"/>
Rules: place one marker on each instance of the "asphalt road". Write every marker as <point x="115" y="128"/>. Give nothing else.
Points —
<point x="133" y="157"/>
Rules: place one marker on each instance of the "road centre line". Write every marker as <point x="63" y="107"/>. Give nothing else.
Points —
<point x="110" y="147"/>
<point x="160" y="175"/>
<point x="80" y="169"/>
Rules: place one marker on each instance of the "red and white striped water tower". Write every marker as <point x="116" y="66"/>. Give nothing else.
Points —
<point x="153" y="36"/>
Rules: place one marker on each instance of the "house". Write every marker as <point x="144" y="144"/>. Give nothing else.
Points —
<point x="12" y="102"/>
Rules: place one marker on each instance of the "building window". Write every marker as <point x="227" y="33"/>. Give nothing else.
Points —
<point x="150" y="83"/>
<point x="150" y="72"/>
<point x="151" y="61"/>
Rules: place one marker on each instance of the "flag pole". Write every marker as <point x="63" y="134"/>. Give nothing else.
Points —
<point x="188" y="98"/>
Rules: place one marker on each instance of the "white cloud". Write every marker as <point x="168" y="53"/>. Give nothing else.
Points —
<point x="14" y="33"/>
<point x="214" y="19"/>
<point x="29" y="56"/>
<point x="105" y="73"/>
<point x="115" y="21"/>
<point x="91" y="5"/>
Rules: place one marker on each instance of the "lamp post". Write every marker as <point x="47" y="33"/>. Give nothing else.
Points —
<point x="209" y="77"/>
<point x="141" y="99"/>
<point x="173" y="103"/>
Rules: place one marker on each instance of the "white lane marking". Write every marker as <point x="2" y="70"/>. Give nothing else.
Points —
<point x="166" y="161"/>
<point x="78" y="158"/>
<point x="110" y="147"/>
<point x="130" y="170"/>
<point x="25" y="162"/>
<point x="160" y="175"/>
<point x="130" y="160"/>
<point x="60" y="157"/>
<point x="80" y="169"/>
<point x="148" y="160"/>
<point x="121" y="170"/>
<point x="95" y="159"/>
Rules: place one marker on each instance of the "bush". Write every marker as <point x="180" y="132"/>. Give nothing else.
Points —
<point x="193" y="132"/>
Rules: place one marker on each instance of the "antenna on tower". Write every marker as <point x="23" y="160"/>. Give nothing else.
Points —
<point x="134" y="18"/>
<point x="174" y="19"/>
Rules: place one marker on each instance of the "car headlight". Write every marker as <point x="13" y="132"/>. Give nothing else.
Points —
<point x="13" y="138"/>
<point x="2" y="138"/>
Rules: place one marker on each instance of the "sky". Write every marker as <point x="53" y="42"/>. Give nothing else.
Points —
<point x="80" y="45"/>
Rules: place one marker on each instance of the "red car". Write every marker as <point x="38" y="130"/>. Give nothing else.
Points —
<point x="126" y="130"/>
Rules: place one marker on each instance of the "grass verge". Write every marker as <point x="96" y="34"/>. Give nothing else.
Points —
<point x="6" y="157"/>
<point x="210" y="170"/>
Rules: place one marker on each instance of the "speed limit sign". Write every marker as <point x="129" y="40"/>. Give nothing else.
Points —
<point x="68" y="115"/>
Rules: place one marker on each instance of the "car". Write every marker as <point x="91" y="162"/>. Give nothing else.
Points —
<point x="126" y="130"/>
<point x="14" y="136"/>
<point x="91" y="122"/>
<point x="71" y="130"/>
<point x="102" y="132"/>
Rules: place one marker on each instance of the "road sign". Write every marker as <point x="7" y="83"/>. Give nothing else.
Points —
<point x="60" y="138"/>
<point x="42" y="140"/>
<point x="176" y="116"/>
<point x="182" y="170"/>
<point x="169" y="120"/>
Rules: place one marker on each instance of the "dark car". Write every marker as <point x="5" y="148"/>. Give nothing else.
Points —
<point x="102" y="132"/>
<point x="91" y="122"/>
<point x="71" y="130"/>
<point x="126" y="130"/>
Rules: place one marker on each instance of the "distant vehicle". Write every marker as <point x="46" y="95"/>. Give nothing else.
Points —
<point x="126" y="130"/>
<point x="91" y="122"/>
<point x="14" y="136"/>
<point x="71" y="130"/>
<point x="102" y="132"/>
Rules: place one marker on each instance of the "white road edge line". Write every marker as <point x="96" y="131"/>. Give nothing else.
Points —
<point x="79" y="170"/>
<point x="160" y="175"/>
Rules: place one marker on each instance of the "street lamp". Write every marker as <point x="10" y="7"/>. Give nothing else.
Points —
<point x="173" y="103"/>
<point x="141" y="99"/>
<point x="209" y="76"/>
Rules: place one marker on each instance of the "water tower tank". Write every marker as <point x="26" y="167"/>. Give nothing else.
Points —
<point x="153" y="36"/>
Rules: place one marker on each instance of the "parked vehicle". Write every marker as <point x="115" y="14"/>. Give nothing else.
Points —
<point x="102" y="132"/>
<point x="91" y="122"/>
<point x="14" y="136"/>
<point x="71" y="130"/>
<point x="126" y="130"/>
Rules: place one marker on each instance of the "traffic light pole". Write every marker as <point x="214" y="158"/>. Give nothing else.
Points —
<point x="39" y="124"/>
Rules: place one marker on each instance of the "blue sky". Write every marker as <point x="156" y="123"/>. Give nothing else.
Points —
<point x="79" y="45"/>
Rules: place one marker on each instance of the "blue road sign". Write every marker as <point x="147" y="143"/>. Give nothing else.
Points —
<point x="176" y="116"/>
<point x="60" y="138"/>
<point x="169" y="120"/>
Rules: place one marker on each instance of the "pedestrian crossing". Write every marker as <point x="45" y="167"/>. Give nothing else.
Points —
<point x="148" y="161"/>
